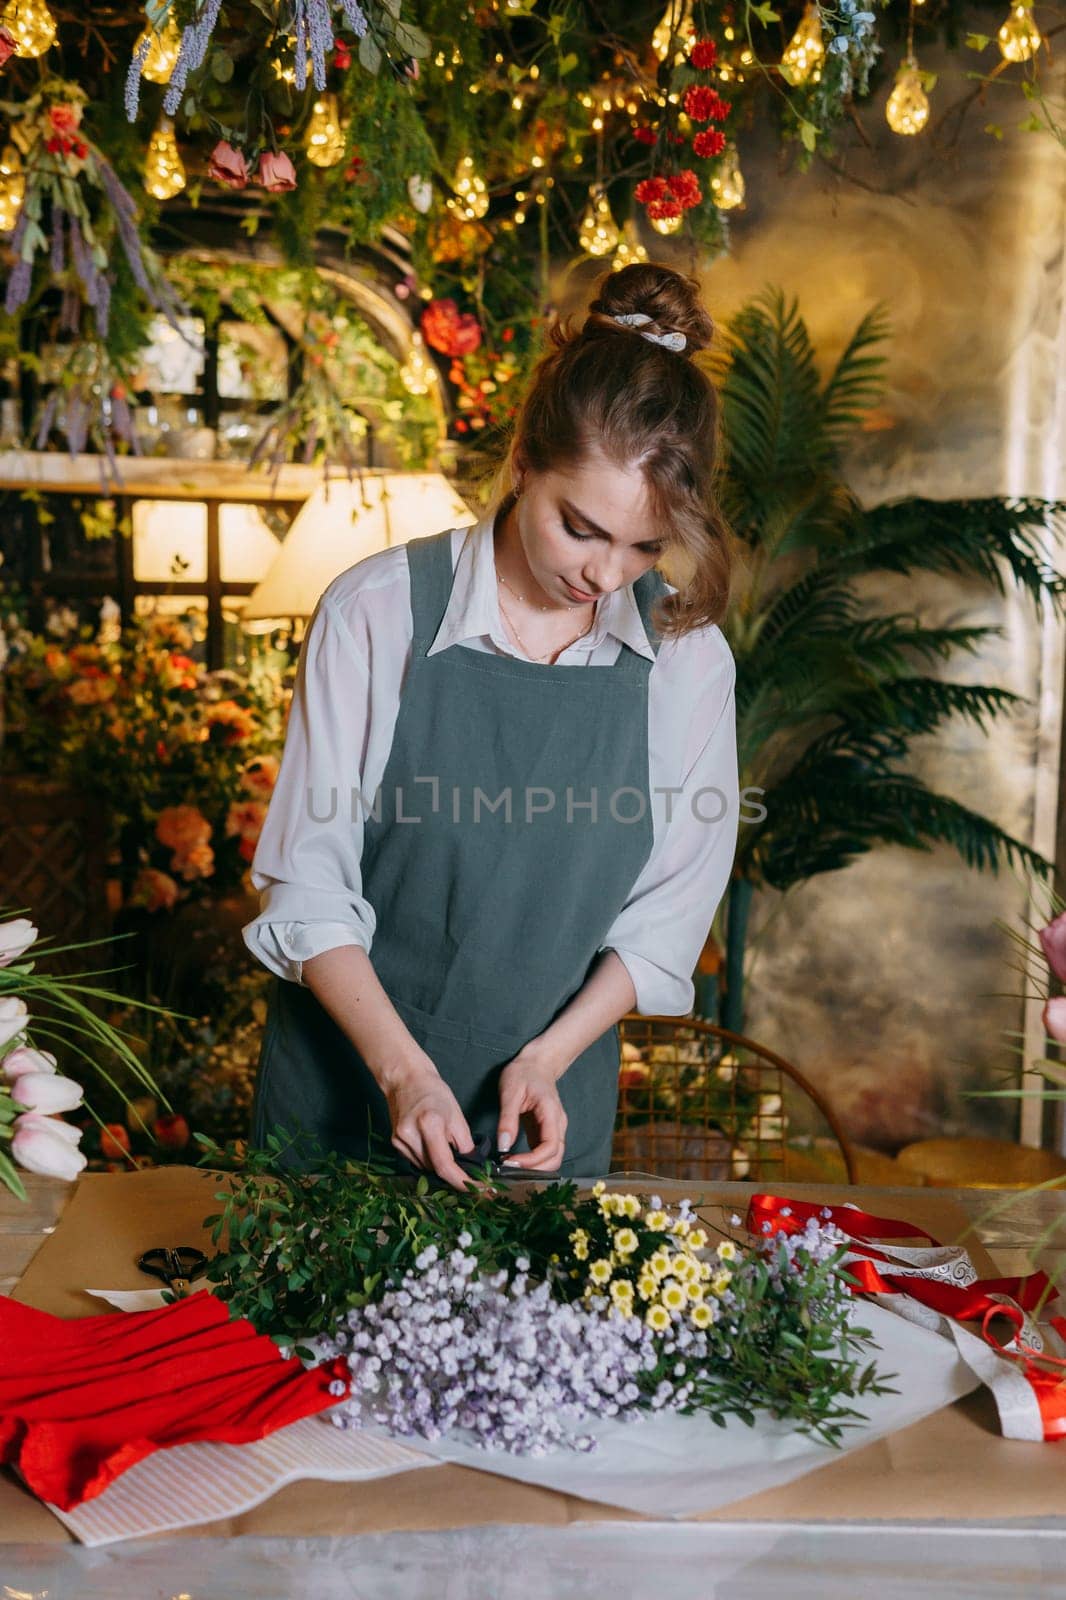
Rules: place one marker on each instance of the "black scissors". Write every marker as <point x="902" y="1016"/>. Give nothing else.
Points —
<point x="175" y="1266"/>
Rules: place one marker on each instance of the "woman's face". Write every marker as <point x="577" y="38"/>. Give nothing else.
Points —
<point x="586" y="529"/>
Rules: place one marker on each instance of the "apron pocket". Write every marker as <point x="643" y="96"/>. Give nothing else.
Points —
<point x="505" y="1045"/>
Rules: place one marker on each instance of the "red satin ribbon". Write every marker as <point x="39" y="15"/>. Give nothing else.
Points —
<point x="769" y="1214"/>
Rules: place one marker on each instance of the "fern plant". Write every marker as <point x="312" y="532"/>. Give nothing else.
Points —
<point x="831" y="689"/>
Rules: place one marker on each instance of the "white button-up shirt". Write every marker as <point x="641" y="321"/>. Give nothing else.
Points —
<point x="351" y="673"/>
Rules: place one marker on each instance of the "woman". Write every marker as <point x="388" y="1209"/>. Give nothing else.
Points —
<point x="507" y="806"/>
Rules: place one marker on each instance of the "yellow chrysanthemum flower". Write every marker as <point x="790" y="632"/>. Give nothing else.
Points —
<point x="681" y="1227"/>
<point x="622" y="1294"/>
<point x="727" y="1250"/>
<point x="657" y="1221"/>
<point x="721" y="1281"/>
<point x="647" y="1286"/>
<point x="697" y="1239"/>
<point x="600" y="1271"/>
<point x="673" y="1297"/>
<point x="657" y="1318"/>
<point x="701" y="1316"/>
<point x="609" y="1205"/>
<point x="683" y="1268"/>
<point x="581" y="1251"/>
<point x="659" y="1263"/>
<point x="705" y="1270"/>
<point x="695" y="1291"/>
<point x="630" y="1206"/>
<point x="625" y="1241"/>
<point x="599" y="1187"/>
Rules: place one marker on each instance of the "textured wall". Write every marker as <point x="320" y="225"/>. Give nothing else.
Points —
<point x="884" y="981"/>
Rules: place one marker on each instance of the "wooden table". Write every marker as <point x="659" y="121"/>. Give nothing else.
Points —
<point x="788" y="1561"/>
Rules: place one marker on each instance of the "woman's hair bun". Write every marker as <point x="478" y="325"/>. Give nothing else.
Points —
<point x="673" y="301"/>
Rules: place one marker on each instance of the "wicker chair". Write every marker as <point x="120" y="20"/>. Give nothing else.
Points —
<point x="696" y="1101"/>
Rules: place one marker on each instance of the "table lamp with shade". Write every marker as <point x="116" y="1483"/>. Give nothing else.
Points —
<point x="340" y="524"/>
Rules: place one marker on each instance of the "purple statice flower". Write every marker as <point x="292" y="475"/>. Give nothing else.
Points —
<point x="355" y="17"/>
<point x="496" y="1357"/>
<point x="312" y="28"/>
<point x="195" y="38"/>
<point x="133" y="77"/>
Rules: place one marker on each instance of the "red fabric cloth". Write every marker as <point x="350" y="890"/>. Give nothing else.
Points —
<point x="82" y="1400"/>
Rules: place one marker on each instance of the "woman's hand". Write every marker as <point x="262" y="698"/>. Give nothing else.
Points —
<point x="529" y="1090"/>
<point x="427" y="1122"/>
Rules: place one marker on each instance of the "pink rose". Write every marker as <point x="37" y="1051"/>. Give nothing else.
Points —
<point x="1053" y="940"/>
<point x="7" y="46"/>
<point x="47" y="1146"/>
<point x="1055" y="1019"/>
<point x="46" y="1092"/>
<point x="16" y="937"/>
<point x="13" y="1018"/>
<point x="276" y="171"/>
<point x="64" y="119"/>
<point x="228" y="166"/>
<point x="24" y="1058"/>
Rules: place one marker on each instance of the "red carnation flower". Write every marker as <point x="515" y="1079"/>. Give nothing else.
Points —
<point x="645" y="135"/>
<point x="649" y="189"/>
<point x="676" y="138"/>
<point x="700" y="102"/>
<point x="703" y="55"/>
<point x="709" y="143"/>
<point x="684" y="186"/>
<point x="660" y="210"/>
<point x="448" y="330"/>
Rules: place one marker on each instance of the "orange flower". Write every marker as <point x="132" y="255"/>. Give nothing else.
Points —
<point x="182" y="828"/>
<point x="246" y="817"/>
<point x="196" y="862"/>
<point x="239" y="723"/>
<point x="154" y="890"/>
<point x="259" y="776"/>
<point x="91" y="691"/>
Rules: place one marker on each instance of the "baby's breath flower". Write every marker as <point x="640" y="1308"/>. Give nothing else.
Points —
<point x="600" y="1271"/>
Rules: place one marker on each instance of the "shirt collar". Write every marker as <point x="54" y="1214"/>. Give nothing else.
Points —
<point x="473" y="611"/>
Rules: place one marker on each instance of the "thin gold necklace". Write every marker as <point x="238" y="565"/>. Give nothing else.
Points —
<point x="501" y="579"/>
<point x="556" y="649"/>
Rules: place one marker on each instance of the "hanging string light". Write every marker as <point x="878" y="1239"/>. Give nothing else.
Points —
<point x="598" y="232"/>
<point x="30" y="24"/>
<point x="629" y="248"/>
<point x="667" y="225"/>
<point x="12" y="187"/>
<point x="907" y="111"/>
<point x="163" y="51"/>
<point x="675" y="23"/>
<point x="164" y="173"/>
<point x="727" y="183"/>
<point x="324" y="139"/>
<point x="1019" y="38"/>
<point x="805" y="52"/>
<point x="471" y="195"/>
<point x="418" y="373"/>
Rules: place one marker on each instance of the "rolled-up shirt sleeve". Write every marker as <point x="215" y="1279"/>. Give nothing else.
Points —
<point x="662" y="928"/>
<point x="307" y="862"/>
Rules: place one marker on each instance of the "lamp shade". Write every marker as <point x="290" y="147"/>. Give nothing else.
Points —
<point x="170" y="542"/>
<point x="342" y="523"/>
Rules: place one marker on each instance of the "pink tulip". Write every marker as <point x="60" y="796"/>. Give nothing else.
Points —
<point x="24" y="1058"/>
<point x="1053" y="940"/>
<point x="47" y="1146"/>
<point x="228" y="166"/>
<point x="13" y="1018"/>
<point x="16" y="937"/>
<point x="46" y="1092"/>
<point x="276" y="172"/>
<point x="1055" y="1019"/>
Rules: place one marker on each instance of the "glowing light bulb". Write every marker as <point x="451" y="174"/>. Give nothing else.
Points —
<point x="472" y="198"/>
<point x="418" y="373"/>
<point x="667" y="224"/>
<point x="30" y="24"/>
<point x="164" y="173"/>
<point x="598" y="231"/>
<point x="324" y="139"/>
<point x="727" y="184"/>
<point x="907" y="111"/>
<point x="629" y="249"/>
<point x="1019" y="38"/>
<point x="805" y="50"/>
<point x="284" y="71"/>
<point x="163" y="50"/>
<point x="674" y="23"/>
<point x="12" y="187"/>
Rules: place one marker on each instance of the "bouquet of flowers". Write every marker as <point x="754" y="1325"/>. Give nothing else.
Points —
<point x="521" y="1318"/>
<point x="33" y="1093"/>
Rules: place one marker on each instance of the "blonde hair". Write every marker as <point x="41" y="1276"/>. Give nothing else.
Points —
<point x="641" y="404"/>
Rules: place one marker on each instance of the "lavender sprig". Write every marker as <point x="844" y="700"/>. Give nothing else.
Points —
<point x="312" y="26"/>
<point x="355" y="17"/>
<point x="195" y="38"/>
<point x="133" y="77"/>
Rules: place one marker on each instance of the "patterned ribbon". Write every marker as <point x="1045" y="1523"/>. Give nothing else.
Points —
<point x="1021" y="1361"/>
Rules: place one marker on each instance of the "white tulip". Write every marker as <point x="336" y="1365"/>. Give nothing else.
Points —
<point x="420" y="191"/>
<point x="16" y="937"/>
<point x="13" y="1018"/>
<point x="46" y="1092"/>
<point x="47" y="1147"/>
<point x="24" y="1058"/>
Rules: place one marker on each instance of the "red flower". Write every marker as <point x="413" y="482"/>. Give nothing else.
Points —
<point x="703" y="55"/>
<point x="7" y="46"/>
<point x="64" y="118"/>
<point x="709" y="143"/>
<point x="114" y="1141"/>
<point x="650" y="189"/>
<point x="645" y="135"/>
<point x="447" y="329"/>
<point x="172" y="1131"/>
<point x="659" y="210"/>
<point x="276" y="172"/>
<point x="342" y="58"/>
<point x="684" y="186"/>
<point x="676" y="138"/>
<point x="461" y="426"/>
<point x="507" y="335"/>
<point x="228" y="166"/>
<point x="702" y="104"/>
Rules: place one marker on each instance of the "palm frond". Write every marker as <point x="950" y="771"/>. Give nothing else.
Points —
<point x="857" y="381"/>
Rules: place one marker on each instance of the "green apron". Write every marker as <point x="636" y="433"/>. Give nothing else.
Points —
<point x="488" y="917"/>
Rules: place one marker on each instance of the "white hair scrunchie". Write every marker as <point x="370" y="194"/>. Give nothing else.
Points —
<point x="637" y="319"/>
